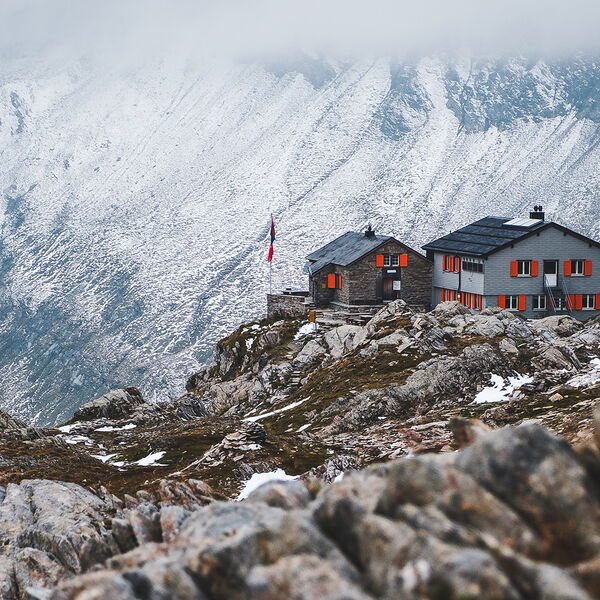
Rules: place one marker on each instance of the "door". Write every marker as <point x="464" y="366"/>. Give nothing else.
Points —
<point x="391" y="288"/>
<point x="551" y="272"/>
<point x="387" y="289"/>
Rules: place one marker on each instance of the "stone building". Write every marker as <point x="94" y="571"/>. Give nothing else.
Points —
<point x="360" y="269"/>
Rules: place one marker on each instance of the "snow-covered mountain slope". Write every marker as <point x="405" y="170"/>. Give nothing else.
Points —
<point x="136" y="202"/>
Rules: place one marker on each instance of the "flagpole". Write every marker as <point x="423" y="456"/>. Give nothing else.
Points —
<point x="271" y="261"/>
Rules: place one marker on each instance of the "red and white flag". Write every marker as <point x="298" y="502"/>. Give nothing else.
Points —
<point x="270" y="256"/>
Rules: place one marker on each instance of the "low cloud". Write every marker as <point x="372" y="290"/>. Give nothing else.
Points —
<point x="122" y="29"/>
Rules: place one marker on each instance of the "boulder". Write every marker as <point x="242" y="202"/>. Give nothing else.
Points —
<point x="445" y="311"/>
<point x="117" y="404"/>
<point x="562" y="325"/>
<point x="539" y="476"/>
<point x="282" y="494"/>
<point x="340" y="340"/>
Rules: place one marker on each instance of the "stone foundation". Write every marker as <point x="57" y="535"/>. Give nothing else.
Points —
<point x="287" y="306"/>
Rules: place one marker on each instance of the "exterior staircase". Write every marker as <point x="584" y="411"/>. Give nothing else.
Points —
<point x="557" y="297"/>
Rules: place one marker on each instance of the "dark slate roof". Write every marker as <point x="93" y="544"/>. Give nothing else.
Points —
<point x="486" y="236"/>
<point x="345" y="250"/>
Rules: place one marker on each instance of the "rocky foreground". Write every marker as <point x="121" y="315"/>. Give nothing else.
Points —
<point x="516" y="514"/>
<point x="422" y="449"/>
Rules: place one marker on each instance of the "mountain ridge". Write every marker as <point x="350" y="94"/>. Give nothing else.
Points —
<point x="136" y="201"/>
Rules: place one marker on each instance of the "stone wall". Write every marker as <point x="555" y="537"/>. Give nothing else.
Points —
<point x="287" y="306"/>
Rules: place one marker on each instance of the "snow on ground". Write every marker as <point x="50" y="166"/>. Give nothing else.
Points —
<point x="251" y="447"/>
<point x="150" y="460"/>
<point x="111" y="428"/>
<point x="103" y="457"/>
<point x="258" y="479"/>
<point x="303" y="428"/>
<point x="67" y="428"/>
<point x="306" y="329"/>
<point x="501" y="391"/>
<point x="589" y="378"/>
<point x="78" y="439"/>
<point x="275" y="412"/>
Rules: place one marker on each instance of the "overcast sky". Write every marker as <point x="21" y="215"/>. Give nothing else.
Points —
<point x="251" y="27"/>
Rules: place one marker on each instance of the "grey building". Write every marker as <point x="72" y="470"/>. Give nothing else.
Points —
<point x="528" y="265"/>
<point x="358" y="269"/>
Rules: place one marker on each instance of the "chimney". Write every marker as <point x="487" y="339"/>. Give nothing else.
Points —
<point x="537" y="213"/>
<point x="369" y="232"/>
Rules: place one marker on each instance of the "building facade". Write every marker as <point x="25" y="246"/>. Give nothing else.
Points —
<point x="531" y="266"/>
<point x="360" y="269"/>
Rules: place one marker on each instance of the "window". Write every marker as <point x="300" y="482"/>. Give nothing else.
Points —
<point x="451" y="263"/>
<point x="472" y="266"/>
<point x="577" y="267"/>
<point x="512" y="302"/>
<point x="588" y="302"/>
<point x="395" y="260"/>
<point x="523" y="268"/>
<point x="539" y="303"/>
<point x="387" y="260"/>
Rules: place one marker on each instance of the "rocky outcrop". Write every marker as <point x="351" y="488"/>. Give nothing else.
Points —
<point x="117" y="404"/>
<point x="515" y="515"/>
<point x="53" y="530"/>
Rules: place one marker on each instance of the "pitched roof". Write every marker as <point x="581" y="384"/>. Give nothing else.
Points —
<point x="488" y="235"/>
<point x="345" y="250"/>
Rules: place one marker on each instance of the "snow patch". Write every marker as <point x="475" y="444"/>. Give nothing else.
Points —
<point x="589" y="378"/>
<point x="258" y="479"/>
<point x="111" y="428"/>
<point x="103" y="457"/>
<point x="306" y="329"/>
<point x="501" y="391"/>
<point x="78" y="439"/>
<point x="303" y="428"/>
<point x="276" y="412"/>
<point x="151" y="459"/>
<point x="67" y="428"/>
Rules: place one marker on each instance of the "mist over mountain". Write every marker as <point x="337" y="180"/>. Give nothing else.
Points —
<point x="136" y="196"/>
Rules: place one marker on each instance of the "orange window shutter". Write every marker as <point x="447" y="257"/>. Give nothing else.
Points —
<point x="442" y="294"/>
<point x="478" y="302"/>
<point x="571" y="301"/>
<point x="453" y="295"/>
<point x="502" y="301"/>
<point x="514" y="268"/>
<point x="522" y="302"/>
<point x="404" y="260"/>
<point x="578" y="302"/>
<point x="567" y="268"/>
<point x="457" y="264"/>
<point x="443" y="262"/>
<point x="331" y="281"/>
<point x="451" y="263"/>
<point x="597" y="305"/>
<point x="379" y="260"/>
<point x="587" y="267"/>
<point x="534" y="268"/>
<point x="340" y="282"/>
